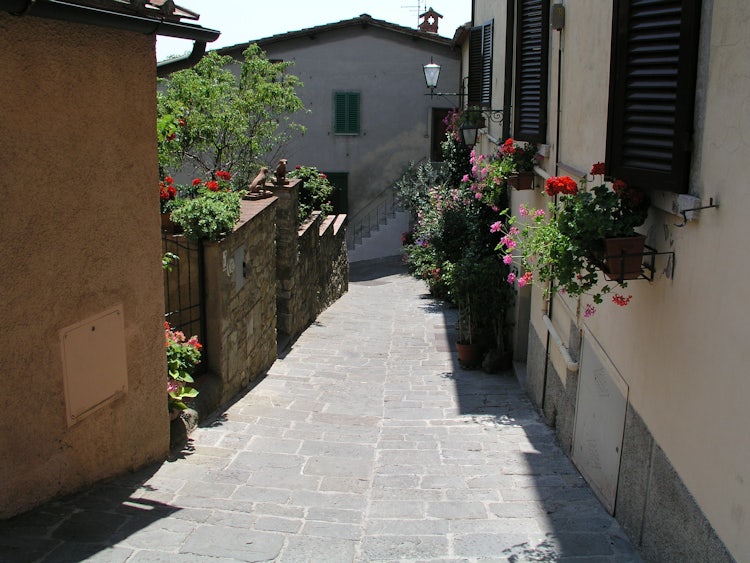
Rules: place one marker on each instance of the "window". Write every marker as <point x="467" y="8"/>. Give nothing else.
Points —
<point x="346" y="113"/>
<point x="480" y="65"/>
<point x="652" y="92"/>
<point x="532" y="46"/>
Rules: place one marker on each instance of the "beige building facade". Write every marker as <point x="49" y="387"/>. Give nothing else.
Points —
<point x="82" y="300"/>
<point x="649" y="399"/>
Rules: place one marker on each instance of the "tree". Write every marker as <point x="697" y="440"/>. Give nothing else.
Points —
<point x="211" y="119"/>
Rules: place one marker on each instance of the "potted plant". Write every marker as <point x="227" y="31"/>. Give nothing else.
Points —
<point x="183" y="354"/>
<point x="521" y="161"/>
<point x="483" y="306"/>
<point x="210" y="209"/>
<point x="566" y="251"/>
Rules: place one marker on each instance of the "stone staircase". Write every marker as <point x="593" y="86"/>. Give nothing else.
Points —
<point x="376" y="231"/>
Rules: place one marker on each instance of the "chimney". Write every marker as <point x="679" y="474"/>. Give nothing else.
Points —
<point x="429" y="21"/>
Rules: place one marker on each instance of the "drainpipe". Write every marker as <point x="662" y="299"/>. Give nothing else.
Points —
<point x="66" y="11"/>
<point x="551" y="332"/>
<point x="168" y="67"/>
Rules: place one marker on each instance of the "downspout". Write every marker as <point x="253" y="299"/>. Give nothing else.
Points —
<point x="168" y="67"/>
<point x="551" y="332"/>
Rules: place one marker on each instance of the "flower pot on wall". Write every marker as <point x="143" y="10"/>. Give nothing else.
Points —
<point x="522" y="181"/>
<point x="623" y="257"/>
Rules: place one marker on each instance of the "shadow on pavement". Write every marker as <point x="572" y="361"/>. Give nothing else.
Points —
<point x="85" y="524"/>
<point x="371" y="270"/>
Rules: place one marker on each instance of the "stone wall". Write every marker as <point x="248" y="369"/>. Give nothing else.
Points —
<point x="240" y="290"/>
<point x="311" y="262"/>
<point x="266" y="281"/>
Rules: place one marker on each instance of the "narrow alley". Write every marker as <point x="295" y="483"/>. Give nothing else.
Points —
<point x="365" y="442"/>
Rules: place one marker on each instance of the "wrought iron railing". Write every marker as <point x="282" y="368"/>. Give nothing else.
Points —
<point x="372" y="217"/>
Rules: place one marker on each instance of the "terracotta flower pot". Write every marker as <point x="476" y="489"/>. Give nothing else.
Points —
<point x="623" y="257"/>
<point x="469" y="355"/>
<point x="522" y="181"/>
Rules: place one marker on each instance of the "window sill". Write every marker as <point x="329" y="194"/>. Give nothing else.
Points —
<point x="676" y="204"/>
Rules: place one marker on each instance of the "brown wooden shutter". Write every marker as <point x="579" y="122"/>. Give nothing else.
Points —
<point x="480" y="65"/>
<point x="532" y="54"/>
<point x="652" y="92"/>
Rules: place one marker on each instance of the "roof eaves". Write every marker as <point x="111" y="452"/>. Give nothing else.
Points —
<point x="364" y="20"/>
<point x="117" y="14"/>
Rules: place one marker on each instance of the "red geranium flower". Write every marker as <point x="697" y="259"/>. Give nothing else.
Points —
<point x="560" y="185"/>
<point x="212" y="185"/>
<point x="197" y="181"/>
<point x="223" y="175"/>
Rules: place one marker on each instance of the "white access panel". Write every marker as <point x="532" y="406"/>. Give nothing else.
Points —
<point x="94" y="364"/>
<point x="599" y="422"/>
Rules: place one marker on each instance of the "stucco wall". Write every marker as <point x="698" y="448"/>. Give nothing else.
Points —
<point x="386" y="68"/>
<point x="79" y="231"/>
<point x="681" y="344"/>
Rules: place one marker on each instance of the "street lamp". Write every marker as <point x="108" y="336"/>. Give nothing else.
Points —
<point x="468" y="129"/>
<point x="431" y="74"/>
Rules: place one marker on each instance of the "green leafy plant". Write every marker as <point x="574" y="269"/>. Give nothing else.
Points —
<point x="211" y="119"/>
<point x="183" y="354"/>
<point x="518" y="158"/>
<point x="413" y="186"/>
<point x="315" y="193"/>
<point x="209" y="215"/>
<point x="452" y="247"/>
<point x="561" y="248"/>
<point x="168" y="261"/>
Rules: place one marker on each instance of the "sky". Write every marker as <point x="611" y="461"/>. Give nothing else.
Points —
<point x="241" y="21"/>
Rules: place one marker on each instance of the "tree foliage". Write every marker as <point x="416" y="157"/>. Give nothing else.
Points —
<point x="211" y="118"/>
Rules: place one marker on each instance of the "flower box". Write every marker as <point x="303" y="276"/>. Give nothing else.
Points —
<point x="522" y="181"/>
<point x="623" y="257"/>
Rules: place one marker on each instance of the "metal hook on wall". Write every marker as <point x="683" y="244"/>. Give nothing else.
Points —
<point x="684" y="212"/>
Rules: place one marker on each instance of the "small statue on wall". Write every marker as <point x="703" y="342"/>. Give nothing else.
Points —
<point x="256" y="186"/>
<point x="280" y="173"/>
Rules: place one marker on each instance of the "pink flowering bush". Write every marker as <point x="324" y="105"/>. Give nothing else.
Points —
<point x="560" y="249"/>
<point x="183" y="354"/>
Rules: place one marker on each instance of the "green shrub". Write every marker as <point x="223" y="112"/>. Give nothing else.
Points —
<point x="209" y="215"/>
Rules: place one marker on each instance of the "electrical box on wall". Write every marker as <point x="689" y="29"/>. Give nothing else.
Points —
<point x="557" y="17"/>
<point x="94" y="363"/>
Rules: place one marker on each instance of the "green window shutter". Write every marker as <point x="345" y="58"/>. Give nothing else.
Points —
<point x="652" y="92"/>
<point x="346" y="108"/>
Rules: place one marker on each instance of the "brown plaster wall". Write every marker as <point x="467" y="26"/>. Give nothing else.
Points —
<point x="79" y="229"/>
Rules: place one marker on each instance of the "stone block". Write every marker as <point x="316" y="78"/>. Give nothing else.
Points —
<point x="674" y="527"/>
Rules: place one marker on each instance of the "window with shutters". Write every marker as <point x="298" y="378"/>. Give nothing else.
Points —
<point x="346" y="113"/>
<point x="532" y="56"/>
<point x="652" y="92"/>
<point x="480" y="65"/>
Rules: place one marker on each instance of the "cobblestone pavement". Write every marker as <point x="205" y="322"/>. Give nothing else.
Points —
<point x="365" y="442"/>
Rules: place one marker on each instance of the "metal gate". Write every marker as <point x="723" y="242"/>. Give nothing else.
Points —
<point x="183" y="287"/>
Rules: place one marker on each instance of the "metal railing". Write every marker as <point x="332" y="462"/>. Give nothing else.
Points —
<point x="372" y="217"/>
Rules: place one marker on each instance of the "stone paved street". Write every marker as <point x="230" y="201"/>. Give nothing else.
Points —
<point x="365" y="442"/>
